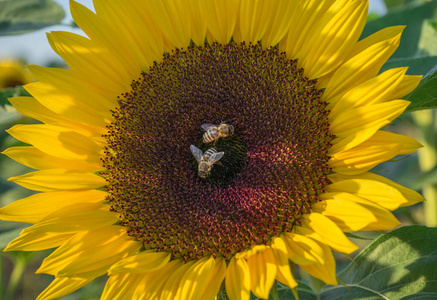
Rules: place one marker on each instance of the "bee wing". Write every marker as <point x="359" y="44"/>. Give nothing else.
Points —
<point x="197" y="153"/>
<point x="216" y="157"/>
<point x="206" y="126"/>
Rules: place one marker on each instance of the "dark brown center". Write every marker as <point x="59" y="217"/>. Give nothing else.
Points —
<point x="274" y="165"/>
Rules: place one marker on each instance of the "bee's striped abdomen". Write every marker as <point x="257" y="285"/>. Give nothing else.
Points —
<point x="208" y="153"/>
<point x="211" y="135"/>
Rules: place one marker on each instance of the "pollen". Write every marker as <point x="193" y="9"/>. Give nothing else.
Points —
<point x="275" y="164"/>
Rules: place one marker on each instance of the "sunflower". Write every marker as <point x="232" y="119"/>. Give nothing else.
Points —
<point x="12" y="73"/>
<point x="119" y="151"/>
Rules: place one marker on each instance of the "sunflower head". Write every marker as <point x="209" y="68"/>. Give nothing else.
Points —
<point x="13" y="73"/>
<point x="272" y="167"/>
<point x="192" y="146"/>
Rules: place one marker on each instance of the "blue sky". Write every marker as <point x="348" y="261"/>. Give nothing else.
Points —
<point x="34" y="48"/>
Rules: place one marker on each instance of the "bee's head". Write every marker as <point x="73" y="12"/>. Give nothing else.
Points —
<point x="231" y="130"/>
<point x="204" y="170"/>
<point x="203" y="174"/>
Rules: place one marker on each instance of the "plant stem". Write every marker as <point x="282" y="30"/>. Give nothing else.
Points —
<point x="426" y="121"/>
<point x="316" y="284"/>
<point x="17" y="273"/>
<point x="274" y="292"/>
<point x="1" y="275"/>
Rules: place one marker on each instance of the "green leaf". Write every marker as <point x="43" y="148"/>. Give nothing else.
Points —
<point x="11" y="92"/>
<point x="284" y="292"/>
<point x="399" y="265"/>
<point x="22" y="16"/>
<point x="424" y="179"/>
<point x="304" y="291"/>
<point x="354" y="236"/>
<point x="8" y="116"/>
<point x="10" y="231"/>
<point x="396" y="4"/>
<point x="413" y="18"/>
<point x="428" y="39"/>
<point x="417" y="65"/>
<point x="433" y="25"/>
<point x="425" y="95"/>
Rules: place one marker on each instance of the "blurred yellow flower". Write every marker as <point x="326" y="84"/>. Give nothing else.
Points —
<point x="13" y="73"/>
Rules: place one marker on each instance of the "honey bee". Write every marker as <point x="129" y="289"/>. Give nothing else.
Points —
<point x="206" y="160"/>
<point x="214" y="132"/>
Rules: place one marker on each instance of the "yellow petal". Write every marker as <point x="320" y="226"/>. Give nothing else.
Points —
<point x="362" y="158"/>
<point x="408" y="145"/>
<point x="357" y="125"/>
<point x="330" y="232"/>
<point x="413" y="197"/>
<point x="75" y="221"/>
<point x="198" y="23"/>
<point x="324" y="272"/>
<point x="36" y="207"/>
<point x="238" y="280"/>
<point x="355" y="138"/>
<point x="283" y="274"/>
<point x="61" y="287"/>
<point x="309" y="232"/>
<point x="121" y="286"/>
<point x="55" y="180"/>
<point x="151" y="287"/>
<point x="173" y="284"/>
<point x="408" y="84"/>
<point x="221" y="18"/>
<point x="251" y="251"/>
<point x="372" y="190"/>
<point x="89" y="96"/>
<point x="348" y="215"/>
<point x="360" y="118"/>
<point x="129" y="22"/>
<point x="90" y="252"/>
<point x="264" y="20"/>
<point x="37" y="241"/>
<point x="32" y="108"/>
<point x="174" y="19"/>
<point x="112" y="28"/>
<point x="303" y="250"/>
<point x="384" y="219"/>
<point x="139" y="286"/>
<point x="255" y="17"/>
<point x="36" y="159"/>
<point x="215" y="279"/>
<point x="307" y="15"/>
<point x="68" y="105"/>
<point x="143" y="262"/>
<point x="366" y="59"/>
<point x="58" y="141"/>
<point x="66" y="78"/>
<point x="281" y="13"/>
<point x="88" y="57"/>
<point x="332" y="38"/>
<point x="262" y="267"/>
<point x="194" y="282"/>
<point x="375" y="90"/>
